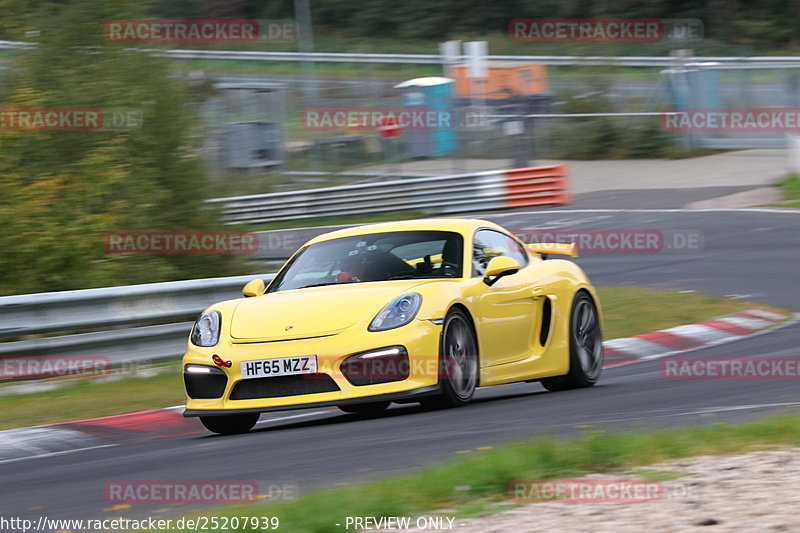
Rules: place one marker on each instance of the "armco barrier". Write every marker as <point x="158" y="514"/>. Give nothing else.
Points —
<point x="715" y="62"/>
<point x="125" y="316"/>
<point x="112" y="306"/>
<point x="481" y="191"/>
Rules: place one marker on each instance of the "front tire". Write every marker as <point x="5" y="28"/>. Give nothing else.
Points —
<point x="230" y="424"/>
<point x="458" y="362"/>
<point x="585" y="347"/>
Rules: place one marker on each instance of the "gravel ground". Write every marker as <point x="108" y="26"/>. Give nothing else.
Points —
<point x="751" y="492"/>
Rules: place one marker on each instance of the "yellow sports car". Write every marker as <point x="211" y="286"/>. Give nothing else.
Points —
<point x="415" y="311"/>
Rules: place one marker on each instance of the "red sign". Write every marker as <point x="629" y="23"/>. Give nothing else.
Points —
<point x="389" y="127"/>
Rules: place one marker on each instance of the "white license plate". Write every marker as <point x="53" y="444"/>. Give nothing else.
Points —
<point x="280" y="366"/>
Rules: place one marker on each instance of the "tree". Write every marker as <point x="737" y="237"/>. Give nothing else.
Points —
<point x="61" y="191"/>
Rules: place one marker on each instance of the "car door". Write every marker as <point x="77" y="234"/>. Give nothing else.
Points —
<point x="505" y="311"/>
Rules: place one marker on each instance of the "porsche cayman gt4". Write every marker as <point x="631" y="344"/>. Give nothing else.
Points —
<point x="415" y="311"/>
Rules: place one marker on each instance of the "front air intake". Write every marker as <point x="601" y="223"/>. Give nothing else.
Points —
<point x="277" y="386"/>
<point x="204" y="382"/>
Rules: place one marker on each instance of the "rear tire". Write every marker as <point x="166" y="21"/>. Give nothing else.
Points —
<point x="458" y="363"/>
<point x="230" y="424"/>
<point x="372" y="408"/>
<point x="585" y="347"/>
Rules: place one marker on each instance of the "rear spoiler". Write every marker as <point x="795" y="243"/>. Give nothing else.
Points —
<point x="560" y="248"/>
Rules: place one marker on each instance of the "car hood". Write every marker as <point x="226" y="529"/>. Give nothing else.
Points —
<point x="314" y="311"/>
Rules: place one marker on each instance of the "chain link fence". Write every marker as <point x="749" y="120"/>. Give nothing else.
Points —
<point x="575" y="110"/>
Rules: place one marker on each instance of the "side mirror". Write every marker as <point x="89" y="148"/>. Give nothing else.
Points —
<point x="498" y="267"/>
<point x="255" y="287"/>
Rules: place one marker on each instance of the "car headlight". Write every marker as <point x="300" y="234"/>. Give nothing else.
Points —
<point x="396" y="313"/>
<point x="206" y="329"/>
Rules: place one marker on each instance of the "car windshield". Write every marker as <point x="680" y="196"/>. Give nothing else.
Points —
<point x="374" y="257"/>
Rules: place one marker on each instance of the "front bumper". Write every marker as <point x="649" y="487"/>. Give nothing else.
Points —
<point x="415" y="394"/>
<point x="420" y="338"/>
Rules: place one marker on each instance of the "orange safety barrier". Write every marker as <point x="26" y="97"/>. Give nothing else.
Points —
<point x="546" y="185"/>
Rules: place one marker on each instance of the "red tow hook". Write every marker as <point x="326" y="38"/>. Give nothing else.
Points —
<point x="219" y="362"/>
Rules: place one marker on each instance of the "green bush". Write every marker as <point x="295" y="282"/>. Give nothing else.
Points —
<point x="628" y="137"/>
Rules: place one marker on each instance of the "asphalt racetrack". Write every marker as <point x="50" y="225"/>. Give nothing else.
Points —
<point x="747" y="253"/>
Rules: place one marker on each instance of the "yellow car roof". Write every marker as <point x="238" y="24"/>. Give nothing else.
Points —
<point x="458" y="225"/>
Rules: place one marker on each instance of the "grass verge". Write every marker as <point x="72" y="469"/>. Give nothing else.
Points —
<point x="631" y="310"/>
<point x="791" y="191"/>
<point x="627" y="311"/>
<point x="89" y="398"/>
<point x="475" y="483"/>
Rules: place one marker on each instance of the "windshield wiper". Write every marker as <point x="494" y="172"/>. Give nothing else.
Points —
<point x="407" y="276"/>
<point x="321" y="284"/>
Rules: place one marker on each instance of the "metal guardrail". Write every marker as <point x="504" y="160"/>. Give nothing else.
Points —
<point x="168" y="309"/>
<point x="660" y="61"/>
<point x="120" y="346"/>
<point x="435" y="59"/>
<point x="432" y="59"/>
<point x="438" y="195"/>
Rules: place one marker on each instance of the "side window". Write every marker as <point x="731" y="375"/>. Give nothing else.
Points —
<point x="490" y="243"/>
